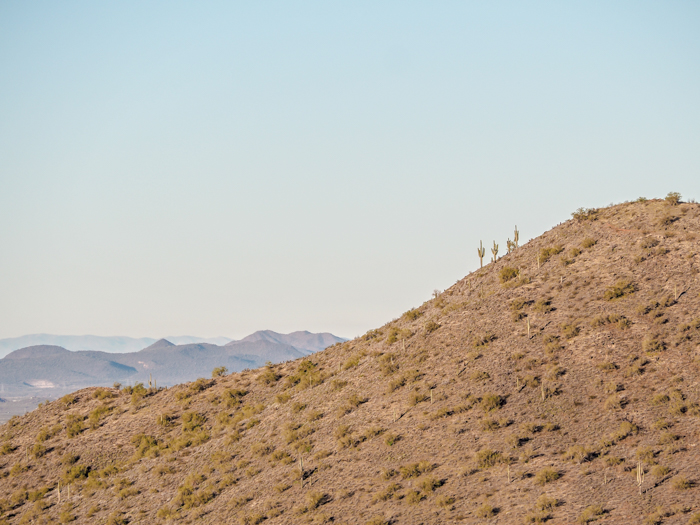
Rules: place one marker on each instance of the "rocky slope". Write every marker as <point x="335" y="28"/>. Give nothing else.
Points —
<point x="558" y="384"/>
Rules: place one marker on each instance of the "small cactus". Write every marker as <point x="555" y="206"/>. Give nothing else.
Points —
<point x="494" y="251"/>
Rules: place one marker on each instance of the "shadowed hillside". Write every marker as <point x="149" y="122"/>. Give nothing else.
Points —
<point x="558" y="384"/>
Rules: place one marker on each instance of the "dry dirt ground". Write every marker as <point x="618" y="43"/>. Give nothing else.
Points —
<point x="558" y="384"/>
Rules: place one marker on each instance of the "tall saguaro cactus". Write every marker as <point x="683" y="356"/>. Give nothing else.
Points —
<point x="481" y="251"/>
<point x="494" y="251"/>
<point x="516" y="236"/>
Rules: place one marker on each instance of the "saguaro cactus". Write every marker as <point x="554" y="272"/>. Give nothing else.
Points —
<point x="494" y="251"/>
<point x="516" y="236"/>
<point x="481" y="251"/>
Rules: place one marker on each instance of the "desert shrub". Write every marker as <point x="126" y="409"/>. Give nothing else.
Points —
<point x="588" y="242"/>
<point x="652" y="343"/>
<point x="482" y="340"/>
<point x="660" y="471"/>
<point x="570" y="330"/>
<point x="546" y="475"/>
<point x="626" y="429"/>
<point x="387" y="493"/>
<point x="621" y="288"/>
<point x="413" y="497"/>
<point x="414" y="470"/>
<point x="268" y="376"/>
<point x="591" y="513"/>
<point x="547" y="253"/>
<point x="646" y="454"/>
<point x="74" y="425"/>
<point x="681" y="483"/>
<point x="543" y="305"/>
<point x="102" y="393"/>
<point x="613" y="403"/>
<point x="585" y="214"/>
<point x="231" y="397"/>
<point x="7" y="448"/>
<point x="444" y="501"/>
<point x="491" y="402"/>
<point x="192" y="421"/>
<point x="544" y="502"/>
<point x="578" y="453"/>
<point x="96" y="415"/>
<point x="673" y="198"/>
<point x="352" y="362"/>
<point x="390" y="438"/>
<point x="417" y="397"/>
<point x="485" y="511"/>
<point x="412" y="314"/>
<point x="431" y="326"/>
<point x="138" y="392"/>
<point x="694" y="519"/>
<point x="507" y="273"/>
<point x="487" y="458"/>
<point x="397" y="334"/>
<point x="306" y="375"/>
<point x="219" y="371"/>
<point x="479" y="375"/>
<point x="68" y="400"/>
<point x="429" y="484"/>
<point x="75" y="473"/>
<point x="489" y="425"/>
<point x="388" y="364"/>
<point x="377" y="520"/>
<point x="38" y="450"/>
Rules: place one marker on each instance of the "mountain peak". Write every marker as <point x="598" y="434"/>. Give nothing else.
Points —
<point x="160" y="343"/>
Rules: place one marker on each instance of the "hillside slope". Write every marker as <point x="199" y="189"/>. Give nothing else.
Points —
<point x="538" y="388"/>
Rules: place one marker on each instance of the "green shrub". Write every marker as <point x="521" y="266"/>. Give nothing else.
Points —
<point x="673" y="198"/>
<point x="219" y="371"/>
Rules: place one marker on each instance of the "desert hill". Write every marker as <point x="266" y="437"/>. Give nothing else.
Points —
<point x="559" y="384"/>
<point x="52" y="370"/>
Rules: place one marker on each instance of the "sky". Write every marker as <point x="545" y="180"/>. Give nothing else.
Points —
<point x="216" y="168"/>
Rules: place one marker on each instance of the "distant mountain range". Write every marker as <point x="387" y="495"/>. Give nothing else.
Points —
<point x="99" y="343"/>
<point x="52" y="369"/>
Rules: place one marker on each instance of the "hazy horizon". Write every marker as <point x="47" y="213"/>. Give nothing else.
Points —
<point x="212" y="168"/>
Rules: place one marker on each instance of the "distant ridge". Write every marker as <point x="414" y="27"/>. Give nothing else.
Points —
<point x="54" y="369"/>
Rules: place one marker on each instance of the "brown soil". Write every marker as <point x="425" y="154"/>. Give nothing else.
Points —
<point x="450" y="414"/>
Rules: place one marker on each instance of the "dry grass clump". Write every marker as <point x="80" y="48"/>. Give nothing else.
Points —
<point x="591" y="513"/>
<point x="487" y="458"/>
<point x="620" y="289"/>
<point x="547" y="253"/>
<point x="681" y="483"/>
<point x="546" y="475"/>
<point x="485" y="511"/>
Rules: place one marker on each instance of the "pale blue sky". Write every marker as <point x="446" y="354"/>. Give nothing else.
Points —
<point x="214" y="168"/>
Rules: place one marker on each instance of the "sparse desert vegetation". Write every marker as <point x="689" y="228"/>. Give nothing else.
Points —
<point x="557" y="384"/>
